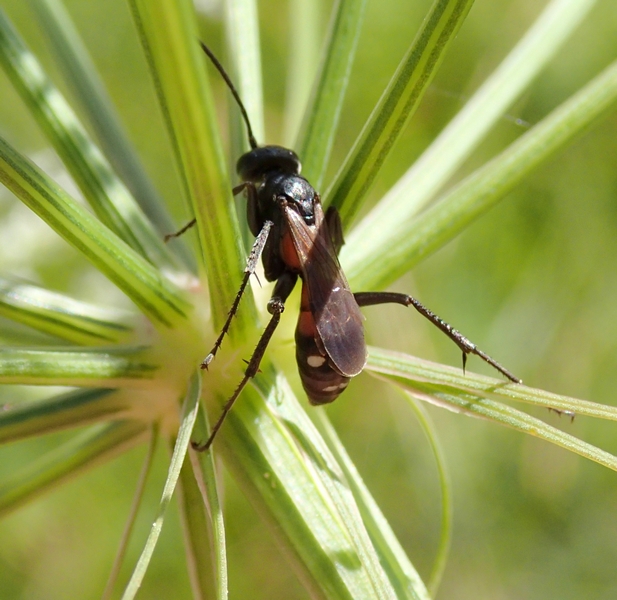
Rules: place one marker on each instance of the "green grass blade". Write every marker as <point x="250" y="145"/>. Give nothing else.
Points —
<point x="396" y="106"/>
<point x="326" y="101"/>
<point x="402" y="575"/>
<point x="201" y="538"/>
<point x="91" y="367"/>
<point x="393" y="363"/>
<point x="288" y="473"/>
<point x="170" y="40"/>
<point x="59" y="315"/>
<point x="157" y="297"/>
<point x="82" y="453"/>
<point x="132" y="516"/>
<point x="242" y="42"/>
<point x="72" y="409"/>
<point x="445" y="537"/>
<point x="463" y="134"/>
<point x="434" y="383"/>
<point x="375" y="259"/>
<point x="505" y="415"/>
<point x="187" y="420"/>
<point x="88" y="90"/>
<point x="242" y="61"/>
<point x="204" y="474"/>
<point x="107" y="195"/>
<point x="305" y="29"/>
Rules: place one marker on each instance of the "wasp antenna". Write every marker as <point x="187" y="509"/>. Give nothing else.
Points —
<point x="234" y="92"/>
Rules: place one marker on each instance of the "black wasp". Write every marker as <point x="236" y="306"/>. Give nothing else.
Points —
<point x="296" y="239"/>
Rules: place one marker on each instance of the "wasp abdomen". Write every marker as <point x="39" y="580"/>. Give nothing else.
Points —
<point x="321" y="382"/>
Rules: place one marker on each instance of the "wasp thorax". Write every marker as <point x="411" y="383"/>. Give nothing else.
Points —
<point x="298" y="192"/>
<point x="253" y="165"/>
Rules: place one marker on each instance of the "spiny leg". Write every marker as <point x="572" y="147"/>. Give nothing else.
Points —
<point x="251" y="265"/>
<point x="561" y="411"/>
<point x="466" y="346"/>
<point x="276" y="305"/>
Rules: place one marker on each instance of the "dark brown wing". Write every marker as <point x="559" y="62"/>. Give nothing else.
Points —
<point x="338" y="319"/>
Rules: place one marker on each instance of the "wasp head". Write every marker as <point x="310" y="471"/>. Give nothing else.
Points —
<point x="257" y="163"/>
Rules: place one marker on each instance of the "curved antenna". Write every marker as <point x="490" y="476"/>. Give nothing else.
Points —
<point x="232" y="89"/>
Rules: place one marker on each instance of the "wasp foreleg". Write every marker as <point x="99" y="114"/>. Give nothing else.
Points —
<point x="251" y="265"/>
<point x="276" y="305"/>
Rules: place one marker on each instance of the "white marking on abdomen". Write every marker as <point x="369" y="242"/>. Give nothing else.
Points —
<point x="315" y="360"/>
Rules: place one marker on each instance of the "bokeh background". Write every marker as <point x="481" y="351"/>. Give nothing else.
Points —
<point x="534" y="283"/>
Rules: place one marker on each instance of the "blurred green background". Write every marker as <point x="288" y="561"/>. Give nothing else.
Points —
<point x="533" y="283"/>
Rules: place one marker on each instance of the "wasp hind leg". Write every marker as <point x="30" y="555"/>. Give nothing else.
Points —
<point x="467" y="347"/>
